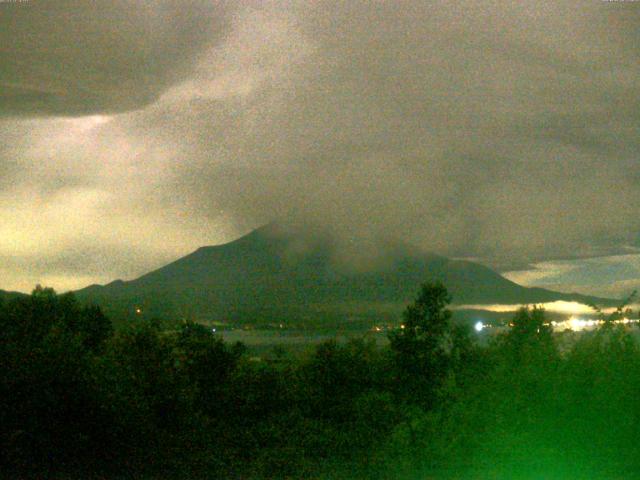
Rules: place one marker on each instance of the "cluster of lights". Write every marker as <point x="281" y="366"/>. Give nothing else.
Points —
<point x="578" y="324"/>
<point x="573" y="323"/>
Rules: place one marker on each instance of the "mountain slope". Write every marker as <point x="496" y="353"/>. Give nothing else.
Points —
<point x="262" y="278"/>
<point x="5" y="296"/>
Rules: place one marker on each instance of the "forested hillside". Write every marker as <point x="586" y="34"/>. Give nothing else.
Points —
<point x="78" y="400"/>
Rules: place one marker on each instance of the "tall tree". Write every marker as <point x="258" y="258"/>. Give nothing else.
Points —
<point x="530" y="339"/>
<point x="422" y="344"/>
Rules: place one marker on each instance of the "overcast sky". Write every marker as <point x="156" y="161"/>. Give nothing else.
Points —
<point x="133" y="132"/>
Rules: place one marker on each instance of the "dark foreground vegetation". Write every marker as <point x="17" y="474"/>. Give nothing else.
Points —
<point x="80" y="400"/>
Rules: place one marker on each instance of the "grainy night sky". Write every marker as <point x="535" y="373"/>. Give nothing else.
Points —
<point x="133" y="132"/>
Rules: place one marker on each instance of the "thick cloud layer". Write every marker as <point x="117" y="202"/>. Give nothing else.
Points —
<point x="74" y="57"/>
<point x="615" y="276"/>
<point x="503" y="131"/>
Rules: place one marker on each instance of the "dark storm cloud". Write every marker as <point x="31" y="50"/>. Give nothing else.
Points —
<point x="504" y="131"/>
<point x="76" y="57"/>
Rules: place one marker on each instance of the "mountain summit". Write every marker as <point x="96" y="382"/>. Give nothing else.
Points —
<point x="270" y="276"/>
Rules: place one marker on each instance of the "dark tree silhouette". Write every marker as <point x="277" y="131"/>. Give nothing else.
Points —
<point x="422" y="345"/>
<point x="530" y="338"/>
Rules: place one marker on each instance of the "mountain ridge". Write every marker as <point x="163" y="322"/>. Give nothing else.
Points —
<point x="9" y="295"/>
<point x="269" y="275"/>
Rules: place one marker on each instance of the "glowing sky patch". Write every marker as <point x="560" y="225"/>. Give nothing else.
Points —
<point x="562" y="307"/>
<point x="611" y="276"/>
<point x="90" y="122"/>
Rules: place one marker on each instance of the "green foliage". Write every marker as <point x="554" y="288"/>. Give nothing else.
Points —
<point x="79" y="401"/>
<point x="206" y="363"/>
<point x="529" y="341"/>
<point x="47" y="407"/>
<point x="622" y="309"/>
<point x="426" y="346"/>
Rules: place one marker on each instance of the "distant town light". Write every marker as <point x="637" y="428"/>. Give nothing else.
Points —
<point x="478" y="326"/>
<point x="138" y="310"/>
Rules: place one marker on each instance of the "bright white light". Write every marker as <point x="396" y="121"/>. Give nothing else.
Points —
<point x="576" y="324"/>
<point x="478" y="326"/>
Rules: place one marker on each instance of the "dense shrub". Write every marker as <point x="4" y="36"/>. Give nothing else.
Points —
<point x="78" y="400"/>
